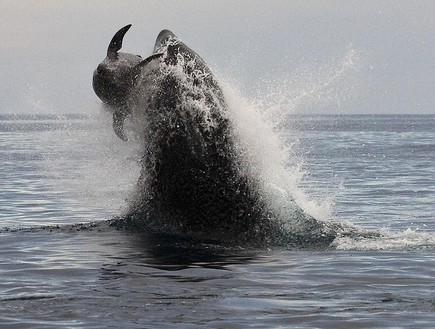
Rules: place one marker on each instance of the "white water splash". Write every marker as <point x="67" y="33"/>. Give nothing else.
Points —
<point x="92" y="171"/>
<point x="267" y="158"/>
<point x="311" y="85"/>
<point x="258" y="122"/>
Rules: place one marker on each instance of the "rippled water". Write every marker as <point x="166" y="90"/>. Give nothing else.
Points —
<point x="377" y="170"/>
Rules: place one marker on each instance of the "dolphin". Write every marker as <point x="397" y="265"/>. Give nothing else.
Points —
<point x="195" y="178"/>
<point x="114" y="78"/>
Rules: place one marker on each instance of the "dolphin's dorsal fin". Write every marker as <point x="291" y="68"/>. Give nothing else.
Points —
<point x="116" y="42"/>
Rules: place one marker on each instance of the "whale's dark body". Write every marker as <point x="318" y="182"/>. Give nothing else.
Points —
<point x="194" y="180"/>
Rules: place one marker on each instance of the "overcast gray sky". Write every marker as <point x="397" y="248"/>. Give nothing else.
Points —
<point x="348" y="56"/>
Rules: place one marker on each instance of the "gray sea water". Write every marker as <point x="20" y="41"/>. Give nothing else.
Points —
<point x="377" y="172"/>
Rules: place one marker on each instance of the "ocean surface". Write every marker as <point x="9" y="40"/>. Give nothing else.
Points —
<point x="59" y="173"/>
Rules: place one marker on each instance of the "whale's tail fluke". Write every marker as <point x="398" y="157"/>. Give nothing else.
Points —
<point x="116" y="43"/>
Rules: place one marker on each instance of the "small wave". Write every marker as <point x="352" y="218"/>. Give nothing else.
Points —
<point x="27" y="298"/>
<point x="366" y="240"/>
<point x="42" y="122"/>
<point x="41" y="116"/>
<point x="63" y="228"/>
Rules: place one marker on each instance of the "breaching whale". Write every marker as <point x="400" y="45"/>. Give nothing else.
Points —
<point x="194" y="179"/>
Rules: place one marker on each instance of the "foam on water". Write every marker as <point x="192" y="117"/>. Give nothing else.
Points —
<point x="387" y="240"/>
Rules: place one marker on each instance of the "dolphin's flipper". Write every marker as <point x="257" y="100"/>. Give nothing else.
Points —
<point x="116" y="43"/>
<point x="118" y="123"/>
<point x="138" y="67"/>
<point x="149" y="59"/>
